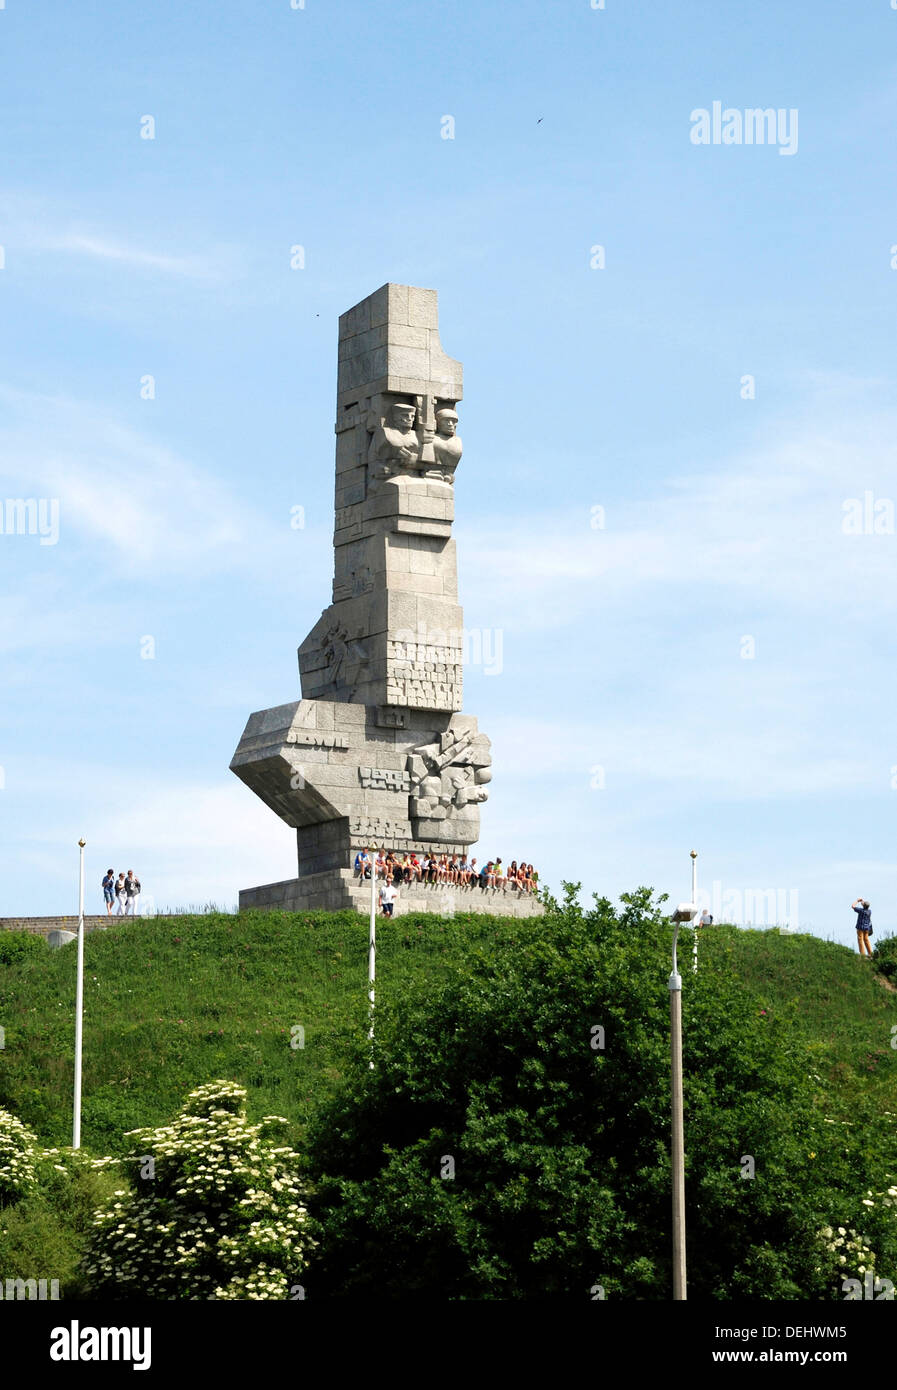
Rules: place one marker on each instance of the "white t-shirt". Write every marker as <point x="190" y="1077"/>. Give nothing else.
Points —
<point x="388" y="893"/>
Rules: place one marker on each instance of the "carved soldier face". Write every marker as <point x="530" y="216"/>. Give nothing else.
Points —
<point x="403" y="417"/>
<point x="446" y="423"/>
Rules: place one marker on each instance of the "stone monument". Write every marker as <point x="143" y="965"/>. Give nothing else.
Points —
<point x="377" y="753"/>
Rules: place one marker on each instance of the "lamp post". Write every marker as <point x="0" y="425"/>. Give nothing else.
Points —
<point x="684" y="913"/>
<point x="79" y="1003"/>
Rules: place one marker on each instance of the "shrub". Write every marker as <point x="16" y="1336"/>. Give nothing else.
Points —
<point x="495" y="1151"/>
<point x="16" y="946"/>
<point x="213" y="1210"/>
<point x="19" y="1157"/>
<point x="884" y="956"/>
<point x="47" y="1202"/>
<point x="44" y="1234"/>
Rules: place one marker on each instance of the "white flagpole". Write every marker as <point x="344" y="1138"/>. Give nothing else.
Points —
<point x="694" y="898"/>
<point x="372" y="951"/>
<point x="79" y="1004"/>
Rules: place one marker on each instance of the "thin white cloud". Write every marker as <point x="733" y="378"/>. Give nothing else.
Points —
<point x="768" y="529"/>
<point x="105" y="250"/>
<point x="718" y="752"/>
<point x="35" y="226"/>
<point x="151" y="511"/>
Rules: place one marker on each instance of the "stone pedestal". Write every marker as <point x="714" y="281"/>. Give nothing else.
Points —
<point x="331" y="893"/>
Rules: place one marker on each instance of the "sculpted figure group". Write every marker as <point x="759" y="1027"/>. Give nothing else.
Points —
<point x="396" y="445"/>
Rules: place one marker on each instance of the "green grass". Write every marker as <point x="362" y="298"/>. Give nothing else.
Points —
<point x="173" y="1003"/>
<point x="834" y="998"/>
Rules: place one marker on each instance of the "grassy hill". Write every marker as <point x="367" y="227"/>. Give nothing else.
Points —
<point x="172" y="1003"/>
<point x="839" y="1002"/>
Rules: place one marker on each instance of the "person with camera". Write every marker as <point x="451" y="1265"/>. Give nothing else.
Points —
<point x="864" y="926"/>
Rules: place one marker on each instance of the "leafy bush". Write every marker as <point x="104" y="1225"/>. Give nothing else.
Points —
<point x="16" y="946"/>
<point x="47" y="1202"/>
<point x="213" y="1211"/>
<point x="44" y="1234"/>
<point x="502" y="1148"/>
<point x="884" y="956"/>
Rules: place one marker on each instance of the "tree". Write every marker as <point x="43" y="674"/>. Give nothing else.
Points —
<point x="512" y="1140"/>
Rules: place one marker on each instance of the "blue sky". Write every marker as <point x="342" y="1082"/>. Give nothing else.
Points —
<point x="617" y="388"/>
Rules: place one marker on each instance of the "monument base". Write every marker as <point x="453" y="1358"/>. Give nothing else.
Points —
<point x="336" y="891"/>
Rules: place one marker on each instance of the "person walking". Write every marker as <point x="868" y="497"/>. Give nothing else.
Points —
<point x="120" y="895"/>
<point x="109" y="891"/>
<point x="132" y="892"/>
<point x="388" y="894"/>
<point x="864" y="926"/>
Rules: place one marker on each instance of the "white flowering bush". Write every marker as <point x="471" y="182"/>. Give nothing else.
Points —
<point x="20" y="1154"/>
<point x="214" y="1209"/>
<point x="888" y="1198"/>
<point x="848" y="1252"/>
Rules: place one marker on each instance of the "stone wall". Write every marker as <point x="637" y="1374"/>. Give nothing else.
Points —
<point x="42" y="926"/>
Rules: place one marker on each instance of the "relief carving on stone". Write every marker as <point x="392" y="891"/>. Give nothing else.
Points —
<point x="336" y="647"/>
<point x="446" y="445"/>
<point x="448" y="775"/>
<point x="395" y="446"/>
<point x="405" y="442"/>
